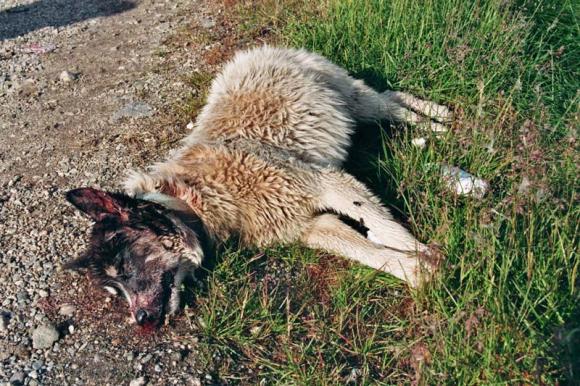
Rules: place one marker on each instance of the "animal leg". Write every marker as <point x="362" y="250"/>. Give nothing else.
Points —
<point x="426" y="108"/>
<point x="366" y="104"/>
<point x="345" y="195"/>
<point x="328" y="232"/>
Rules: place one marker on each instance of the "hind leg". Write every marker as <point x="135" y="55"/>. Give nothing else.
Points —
<point x="366" y="104"/>
<point x="426" y="108"/>
<point x="329" y="233"/>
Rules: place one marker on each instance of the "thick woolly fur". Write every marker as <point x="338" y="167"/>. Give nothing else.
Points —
<point x="262" y="161"/>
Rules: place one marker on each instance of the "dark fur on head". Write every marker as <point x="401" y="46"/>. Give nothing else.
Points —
<point x="140" y="249"/>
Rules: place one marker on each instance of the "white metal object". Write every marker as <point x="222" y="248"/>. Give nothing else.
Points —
<point x="463" y="182"/>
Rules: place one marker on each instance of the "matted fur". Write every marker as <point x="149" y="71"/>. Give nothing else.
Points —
<point x="262" y="159"/>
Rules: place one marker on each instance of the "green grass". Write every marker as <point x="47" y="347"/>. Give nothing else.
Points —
<point x="504" y="308"/>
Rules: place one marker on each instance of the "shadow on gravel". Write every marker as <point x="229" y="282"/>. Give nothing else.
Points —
<point x="23" y="19"/>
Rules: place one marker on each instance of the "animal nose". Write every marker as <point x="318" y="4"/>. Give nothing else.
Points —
<point x="141" y="316"/>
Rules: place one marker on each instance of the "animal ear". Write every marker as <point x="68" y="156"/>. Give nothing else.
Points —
<point x="99" y="204"/>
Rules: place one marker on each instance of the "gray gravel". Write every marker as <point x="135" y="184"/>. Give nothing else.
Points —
<point x="134" y="109"/>
<point x="84" y="96"/>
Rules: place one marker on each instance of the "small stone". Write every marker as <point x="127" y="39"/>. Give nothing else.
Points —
<point x="353" y="376"/>
<point x="43" y="293"/>
<point x="141" y="381"/>
<point x="134" y="110"/>
<point x="33" y="374"/>
<point x="419" y="142"/>
<point x="28" y="87"/>
<point x="524" y="187"/>
<point x="37" y="365"/>
<point x="17" y="378"/>
<point x="207" y="22"/>
<point x="4" y="355"/>
<point x="195" y="382"/>
<point x="22" y="297"/>
<point x="4" y="320"/>
<point x="176" y="357"/>
<point x="67" y="76"/>
<point x="44" y="337"/>
<point x="21" y="351"/>
<point x="146" y="358"/>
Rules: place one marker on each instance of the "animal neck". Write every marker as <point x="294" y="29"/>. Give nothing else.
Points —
<point x="184" y="216"/>
<point x="169" y="202"/>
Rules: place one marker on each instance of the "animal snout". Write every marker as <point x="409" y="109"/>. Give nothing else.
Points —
<point x="142" y="317"/>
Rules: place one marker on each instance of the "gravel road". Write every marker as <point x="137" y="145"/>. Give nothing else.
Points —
<point x="87" y="91"/>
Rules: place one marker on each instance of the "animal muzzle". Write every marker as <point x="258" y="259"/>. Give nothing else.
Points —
<point x="144" y="318"/>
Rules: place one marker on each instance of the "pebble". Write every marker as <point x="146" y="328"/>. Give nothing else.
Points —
<point x="44" y="336"/>
<point x="67" y="76"/>
<point x="17" y="378"/>
<point x="37" y="365"/>
<point x="136" y="109"/>
<point x="4" y="355"/>
<point x="419" y="142"/>
<point x="141" y="381"/>
<point x="67" y="310"/>
<point x="4" y="320"/>
<point x="207" y="22"/>
<point x="524" y="187"/>
<point x="195" y="382"/>
<point x="176" y="357"/>
<point x="146" y="358"/>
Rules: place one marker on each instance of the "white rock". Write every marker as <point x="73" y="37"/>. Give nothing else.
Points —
<point x="44" y="336"/>
<point x="67" y="310"/>
<point x="524" y="186"/>
<point x="419" y="142"/>
<point x="67" y="76"/>
<point x="138" y="382"/>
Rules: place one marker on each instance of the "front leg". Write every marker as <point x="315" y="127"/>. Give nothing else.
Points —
<point x="328" y="232"/>
<point x="186" y="269"/>
<point x="343" y="194"/>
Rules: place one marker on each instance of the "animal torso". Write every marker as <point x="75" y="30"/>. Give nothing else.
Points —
<point x="251" y="164"/>
<point x="259" y="194"/>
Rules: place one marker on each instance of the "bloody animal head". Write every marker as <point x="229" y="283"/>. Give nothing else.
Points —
<point x="139" y="249"/>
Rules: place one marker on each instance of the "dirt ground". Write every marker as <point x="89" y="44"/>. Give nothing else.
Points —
<point x="88" y="90"/>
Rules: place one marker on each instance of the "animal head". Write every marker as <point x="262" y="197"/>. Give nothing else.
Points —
<point x="139" y="249"/>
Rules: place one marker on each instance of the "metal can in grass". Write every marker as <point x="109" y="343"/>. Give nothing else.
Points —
<point x="462" y="182"/>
